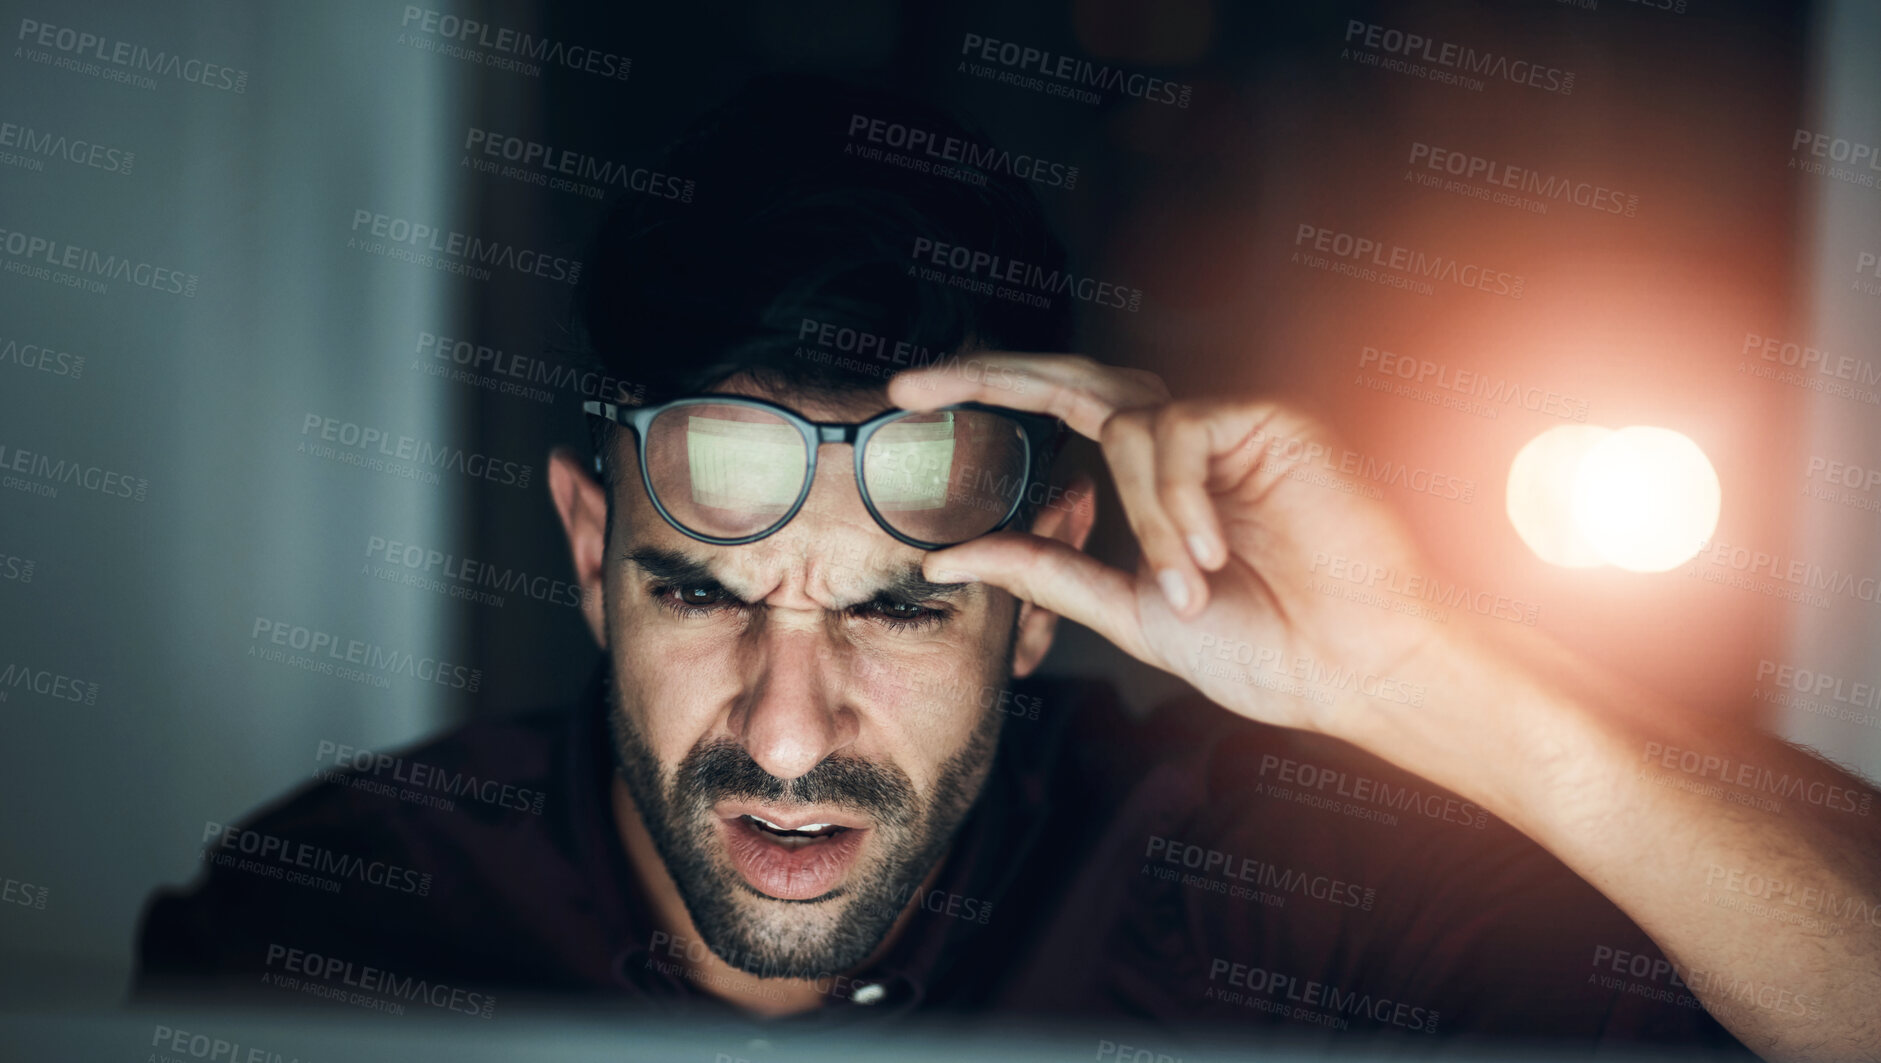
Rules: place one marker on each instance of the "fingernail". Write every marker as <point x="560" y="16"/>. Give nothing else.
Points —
<point x="1202" y="548"/>
<point x="954" y="577"/>
<point x="1175" y="588"/>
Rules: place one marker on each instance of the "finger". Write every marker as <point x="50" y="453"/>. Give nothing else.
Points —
<point x="1187" y="438"/>
<point x="1053" y="576"/>
<point x="1077" y="390"/>
<point x="1130" y="450"/>
<point x="1263" y="444"/>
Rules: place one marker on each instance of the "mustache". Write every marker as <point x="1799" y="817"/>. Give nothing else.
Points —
<point x="722" y="770"/>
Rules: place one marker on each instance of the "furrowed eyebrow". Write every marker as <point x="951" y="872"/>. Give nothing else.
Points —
<point x="906" y="587"/>
<point x="671" y="566"/>
<point x="909" y="586"/>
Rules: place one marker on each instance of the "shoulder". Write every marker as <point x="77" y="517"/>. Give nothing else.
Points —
<point x="1254" y="873"/>
<point x="372" y="859"/>
<point x="479" y="774"/>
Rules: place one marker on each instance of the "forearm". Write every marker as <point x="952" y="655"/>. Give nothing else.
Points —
<point x="1755" y="866"/>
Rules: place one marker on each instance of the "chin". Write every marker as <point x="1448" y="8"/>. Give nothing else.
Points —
<point x="774" y="938"/>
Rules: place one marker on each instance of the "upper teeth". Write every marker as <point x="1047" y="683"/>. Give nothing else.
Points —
<point x="806" y="826"/>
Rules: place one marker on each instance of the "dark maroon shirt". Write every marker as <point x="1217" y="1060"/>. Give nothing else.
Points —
<point x="1194" y="872"/>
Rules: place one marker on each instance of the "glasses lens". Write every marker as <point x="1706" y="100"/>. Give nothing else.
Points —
<point x="725" y="470"/>
<point x="946" y="476"/>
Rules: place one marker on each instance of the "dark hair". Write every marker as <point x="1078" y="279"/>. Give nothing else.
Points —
<point x="790" y="219"/>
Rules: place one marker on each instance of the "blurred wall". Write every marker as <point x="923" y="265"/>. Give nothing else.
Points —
<point x="1826" y="683"/>
<point x="184" y="290"/>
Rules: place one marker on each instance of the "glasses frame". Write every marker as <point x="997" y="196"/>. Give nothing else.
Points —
<point x="1036" y="430"/>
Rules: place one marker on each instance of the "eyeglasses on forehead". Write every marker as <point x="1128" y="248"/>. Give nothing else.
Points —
<point x="730" y="470"/>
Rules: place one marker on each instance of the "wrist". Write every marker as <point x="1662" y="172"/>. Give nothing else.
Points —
<point x="1490" y="727"/>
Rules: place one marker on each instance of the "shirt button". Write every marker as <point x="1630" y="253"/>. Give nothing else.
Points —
<point x="869" y="994"/>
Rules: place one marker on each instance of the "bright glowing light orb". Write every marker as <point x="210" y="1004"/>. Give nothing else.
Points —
<point x="1541" y="495"/>
<point x="1640" y="498"/>
<point x="1646" y="499"/>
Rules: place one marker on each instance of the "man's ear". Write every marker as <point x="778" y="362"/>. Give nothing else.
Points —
<point x="581" y="502"/>
<point x="1066" y="516"/>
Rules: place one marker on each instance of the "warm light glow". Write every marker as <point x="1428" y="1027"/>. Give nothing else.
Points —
<point x="1640" y="498"/>
<point x="1646" y="498"/>
<point x="1541" y="494"/>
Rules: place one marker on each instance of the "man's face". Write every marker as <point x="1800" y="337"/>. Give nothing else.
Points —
<point x="803" y="722"/>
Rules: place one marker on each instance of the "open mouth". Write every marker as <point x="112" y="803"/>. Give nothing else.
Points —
<point x="789" y="838"/>
<point x="794" y="860"/>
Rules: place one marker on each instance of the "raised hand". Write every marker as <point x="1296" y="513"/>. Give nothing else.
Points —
<point x="1249" y="541"/>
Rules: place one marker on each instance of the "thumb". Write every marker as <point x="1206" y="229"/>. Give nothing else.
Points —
<point x="1051" y="575"/>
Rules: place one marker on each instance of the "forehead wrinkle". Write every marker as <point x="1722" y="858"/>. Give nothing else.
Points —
<point x="847" y="555"/>
<point x="839" y="571"/>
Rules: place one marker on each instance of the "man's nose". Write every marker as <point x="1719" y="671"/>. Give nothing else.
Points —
<point x="793" y="713"/>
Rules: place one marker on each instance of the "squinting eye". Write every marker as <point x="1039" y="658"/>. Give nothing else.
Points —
<point x="900" y="610"/>
<point x="902" y="616"/>
<point x="690" y="599"/>
<point x="698" y="595"/>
